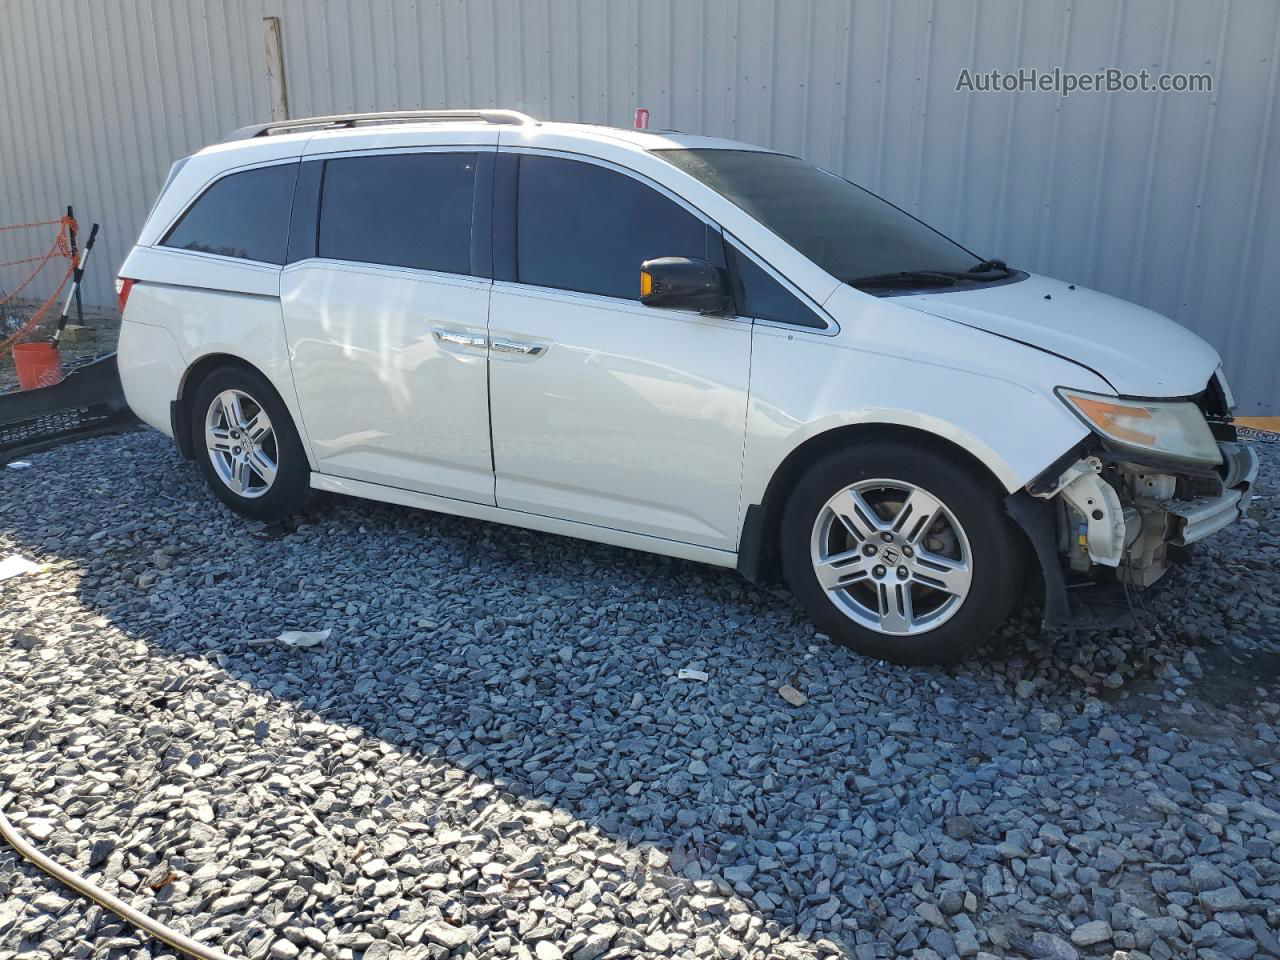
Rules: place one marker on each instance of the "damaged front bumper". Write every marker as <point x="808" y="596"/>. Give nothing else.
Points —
<point x="1102" y="522"/>
<point x="1193" y="520"/>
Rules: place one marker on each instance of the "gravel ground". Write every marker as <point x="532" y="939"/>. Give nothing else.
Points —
<point x="494" y="753"/>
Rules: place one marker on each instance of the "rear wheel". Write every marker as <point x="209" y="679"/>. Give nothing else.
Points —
<point x="247" y="446"/>
<point x="900" y="553"/>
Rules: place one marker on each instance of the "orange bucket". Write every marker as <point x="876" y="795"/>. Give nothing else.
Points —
<point x="38" y="363"/>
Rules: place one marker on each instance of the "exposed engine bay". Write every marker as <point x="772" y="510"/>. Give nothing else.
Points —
<point x="1137" y="514"/>
<point x="1139" y="519"/>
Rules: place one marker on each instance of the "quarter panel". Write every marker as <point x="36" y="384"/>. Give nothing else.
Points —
<point x="206" y="322"/>
<point x="188" y="268"/>
<point x="151" y="369"/>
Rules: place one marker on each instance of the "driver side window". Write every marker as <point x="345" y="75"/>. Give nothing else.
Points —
<point x="583" y="227"/>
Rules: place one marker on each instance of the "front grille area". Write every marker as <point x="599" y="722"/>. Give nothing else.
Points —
<point x="1212" y="402"/>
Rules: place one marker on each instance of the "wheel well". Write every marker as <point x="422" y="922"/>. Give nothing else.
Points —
<point x="181" y="410"/>
<point x="758" y="551"/>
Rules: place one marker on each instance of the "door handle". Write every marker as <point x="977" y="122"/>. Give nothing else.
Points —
<point x="460" y="339"/>
<point x="522" y="349"/>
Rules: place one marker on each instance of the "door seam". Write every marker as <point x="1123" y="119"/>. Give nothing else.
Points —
<point x="488" y="390"/>
<point x="746" y="428"/>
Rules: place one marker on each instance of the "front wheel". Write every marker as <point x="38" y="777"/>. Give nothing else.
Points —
<point x="246" y="444"/>
<point x="900" y="553"/>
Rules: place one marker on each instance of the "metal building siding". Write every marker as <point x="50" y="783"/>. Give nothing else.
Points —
<point x="1171" y="200"/>
<point x="96" y="102"/>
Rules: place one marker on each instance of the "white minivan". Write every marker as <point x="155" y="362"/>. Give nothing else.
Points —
<point x="672" y="343"/>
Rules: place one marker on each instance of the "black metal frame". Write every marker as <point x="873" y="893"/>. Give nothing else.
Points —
<point x="88" y="401"/>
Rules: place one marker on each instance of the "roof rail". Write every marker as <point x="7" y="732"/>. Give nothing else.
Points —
<point x="348" y="120"/>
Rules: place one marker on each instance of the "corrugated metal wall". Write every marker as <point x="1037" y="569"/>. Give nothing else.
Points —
<point x="1172" y="200"/>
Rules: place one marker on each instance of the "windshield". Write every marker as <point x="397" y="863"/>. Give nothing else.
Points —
<point x="848" y="231"/>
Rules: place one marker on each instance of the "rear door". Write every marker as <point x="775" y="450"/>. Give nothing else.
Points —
<point x="606" y="411"/>
<point x="385" y="299"/>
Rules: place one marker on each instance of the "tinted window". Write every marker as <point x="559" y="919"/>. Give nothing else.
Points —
<point x="403" y="210"/>
<point x="242" y="215"/>
<point x="582" y="227"/>
<point x="306" y="212"/>
<point x="760" y="296"/>
<point x="846" y="230"/>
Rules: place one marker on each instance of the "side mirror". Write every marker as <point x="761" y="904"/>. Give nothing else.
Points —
<point x="684" y="283"/>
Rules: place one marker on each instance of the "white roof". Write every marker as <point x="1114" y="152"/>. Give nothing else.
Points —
<point x="254" y="148"/>
<point x="651" y="139"/>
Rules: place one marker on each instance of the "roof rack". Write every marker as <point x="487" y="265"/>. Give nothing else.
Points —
<point x="348" y="120"/>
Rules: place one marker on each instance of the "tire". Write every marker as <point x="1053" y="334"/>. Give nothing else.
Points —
<point x="954" y="553"/>
<point x="253" y="490"/>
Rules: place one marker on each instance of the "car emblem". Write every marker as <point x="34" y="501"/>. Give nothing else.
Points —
<point x="890" y="555"/>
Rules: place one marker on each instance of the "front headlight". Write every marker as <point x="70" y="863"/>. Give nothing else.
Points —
<point x="1173" y="428"/>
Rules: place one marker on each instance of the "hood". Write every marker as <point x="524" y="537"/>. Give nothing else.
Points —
<point x="1138" y="351"/>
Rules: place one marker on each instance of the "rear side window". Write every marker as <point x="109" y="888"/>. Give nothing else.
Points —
<point x="244" y="215"/>
<point x="401" y="210"/>
<point x="582" y="227"/>
<point x="762" y="297"/>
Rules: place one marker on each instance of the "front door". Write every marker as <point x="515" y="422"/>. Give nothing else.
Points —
<point x="386" y="324"/>
<point x="605" y="411"/>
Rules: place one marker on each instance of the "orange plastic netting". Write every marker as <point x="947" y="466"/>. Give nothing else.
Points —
<point x="61" y="247"/>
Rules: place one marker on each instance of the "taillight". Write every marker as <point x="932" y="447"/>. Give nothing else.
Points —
<point x="123" y="286"/>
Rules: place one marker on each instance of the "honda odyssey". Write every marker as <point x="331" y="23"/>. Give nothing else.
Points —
<point x="678" y="344"/>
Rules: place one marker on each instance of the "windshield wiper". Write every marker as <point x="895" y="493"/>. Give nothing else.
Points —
<point x="983" y="272"/>
<point x="907" y="278"/>
<point x="988" y="270"/>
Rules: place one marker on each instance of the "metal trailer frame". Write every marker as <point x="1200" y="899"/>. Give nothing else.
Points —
<point x="87" y="402"/>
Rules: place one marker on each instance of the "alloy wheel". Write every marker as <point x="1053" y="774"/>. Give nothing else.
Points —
<point x="891" y="557"/>
<point x="241" y="443"/>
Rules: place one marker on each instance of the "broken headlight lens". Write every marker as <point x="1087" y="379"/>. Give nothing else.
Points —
<point x="1171" y="428"/>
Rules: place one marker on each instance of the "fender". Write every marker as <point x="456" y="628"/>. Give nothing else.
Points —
<point x="757" y="546"/>
<point x="892" y="365"/>
<point x="1008" y="476"/>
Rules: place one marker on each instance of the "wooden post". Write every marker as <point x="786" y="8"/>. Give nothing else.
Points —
<point x="278" y="91"/>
